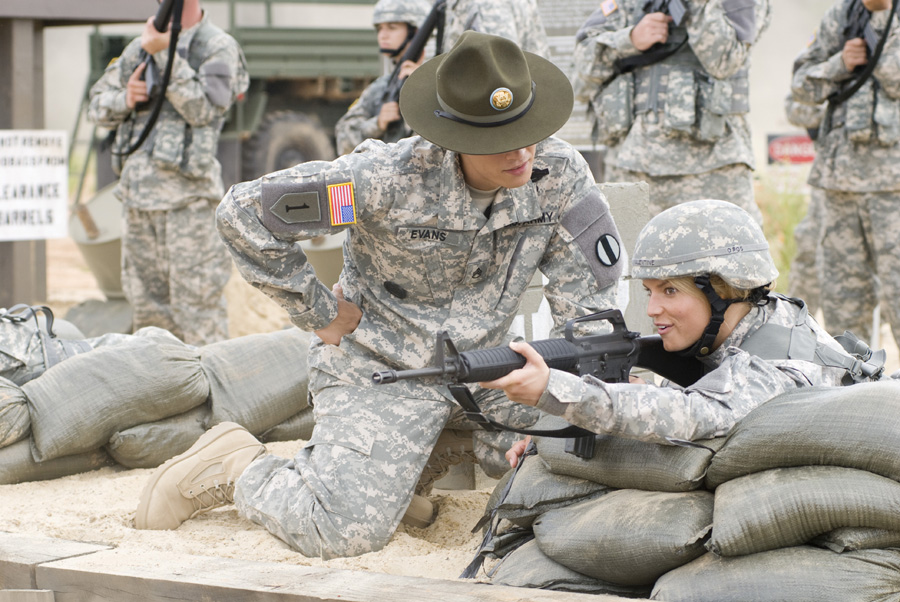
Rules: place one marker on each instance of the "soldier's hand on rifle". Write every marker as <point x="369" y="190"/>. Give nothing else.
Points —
<point x="390" y="112"/>
<point x="153" y="41"/>
<point x="345" y="322"/>
<point x="136" y="88"/>
<point x="517" y="451"/>
<point x="527" y="384"/>
<point x="652" y="29"/>
<point x="408" y="67"/>
<point x="854" y="54"/>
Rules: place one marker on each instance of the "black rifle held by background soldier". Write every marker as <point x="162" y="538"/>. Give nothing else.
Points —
<point x="658" y="52"/>
<point x="414" y="51"/>
<point x="608" y="357"/>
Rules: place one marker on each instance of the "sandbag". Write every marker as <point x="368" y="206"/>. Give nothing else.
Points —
<point x="77" y="405"/>
<point x="258" y="380"/>
<point x="15" y="423"/>
<point x="529" y="567"/>
<point x="627" y="463"/>
<point x="17" y="465"/>
<point x="786" y="575"/>
<point x="149" y="445"/>
<point x="848" y="539"/>
<point x="536" y="490"/>
<point x="854" y="427"/>
<point x="297" y="427"/>
<point x="29" y="344"/>
<point x="786" y="507"/>
<point x="627" y="537"/>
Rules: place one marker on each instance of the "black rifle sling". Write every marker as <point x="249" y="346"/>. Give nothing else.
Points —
<point x="161" y="98"/>
<point x="839" y="97"/>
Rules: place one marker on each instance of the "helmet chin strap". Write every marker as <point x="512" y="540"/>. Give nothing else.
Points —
<point x="718" y="306"/>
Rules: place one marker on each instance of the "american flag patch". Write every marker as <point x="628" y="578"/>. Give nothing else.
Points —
<point x="609" y="7"/>
<point x="342" y="205"/>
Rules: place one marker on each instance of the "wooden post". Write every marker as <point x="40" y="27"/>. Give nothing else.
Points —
<point x="23" y="264"/>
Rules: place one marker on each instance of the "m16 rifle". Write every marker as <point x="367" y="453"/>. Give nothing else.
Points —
<point x="414" y="49"/>
<point x="673" y="8"/>
<point x="169" y="11"/>
<point x="607" y="356"/>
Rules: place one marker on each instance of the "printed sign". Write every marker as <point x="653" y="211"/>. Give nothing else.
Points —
<point x="791" y="148"/>
<point x="34" y="184"/>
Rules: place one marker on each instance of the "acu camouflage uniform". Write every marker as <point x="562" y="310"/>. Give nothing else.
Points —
<point x="360" y="122"/>
<point x="516" y="20"/>
<point x="679" y="124"/>
<point x="174" y="266"/>
<point x="858" y="165"/>
<point x="419" y="258"/>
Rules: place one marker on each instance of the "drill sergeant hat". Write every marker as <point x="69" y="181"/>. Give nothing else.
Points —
<point x="486" y="96"/>
<point x="699" y="239"/>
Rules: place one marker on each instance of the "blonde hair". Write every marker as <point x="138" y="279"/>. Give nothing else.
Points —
<point x="686" y="284"/>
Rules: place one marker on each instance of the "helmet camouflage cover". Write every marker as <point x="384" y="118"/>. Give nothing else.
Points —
<point x="704" y="237"/>
<point x="412" y="12"/>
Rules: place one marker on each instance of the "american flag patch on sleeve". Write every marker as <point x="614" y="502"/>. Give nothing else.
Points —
<point x="342" y="205"/>
<point x="609" y="7"/>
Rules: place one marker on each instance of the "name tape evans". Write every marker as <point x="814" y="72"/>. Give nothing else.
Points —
<point x="34" y="184"/>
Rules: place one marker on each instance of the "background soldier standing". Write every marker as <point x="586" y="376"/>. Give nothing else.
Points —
<point x="396" y="22"/>
<point x="516" y="20"/>
<point x="668" y="92"/>
<point x="174" y="267"/>
<point x="857" y="164"/>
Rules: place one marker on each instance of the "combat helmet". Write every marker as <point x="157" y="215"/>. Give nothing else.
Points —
<point x="700" y="239"/>
<point x="411" y="12"/>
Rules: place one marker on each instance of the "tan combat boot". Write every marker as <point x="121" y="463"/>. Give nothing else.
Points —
<point x="200" y="479"/>
<point x="421" y="513"/>
<point x="453" y="447"/>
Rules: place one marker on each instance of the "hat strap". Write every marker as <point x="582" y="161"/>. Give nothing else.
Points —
<point x="484" y="122"/>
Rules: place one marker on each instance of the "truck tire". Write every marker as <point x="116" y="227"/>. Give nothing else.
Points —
<point x="284" y="139"/>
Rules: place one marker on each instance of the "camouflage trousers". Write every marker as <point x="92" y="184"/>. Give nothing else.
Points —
<point x="174" y="272"/>
<point x="345" y="492"/>
<point x="804" y="277"/>
<point x="860" y="255"/>
<point x="732" y="183"/>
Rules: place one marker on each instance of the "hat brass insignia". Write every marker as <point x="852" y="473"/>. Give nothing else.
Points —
<point x="501" y="98"/>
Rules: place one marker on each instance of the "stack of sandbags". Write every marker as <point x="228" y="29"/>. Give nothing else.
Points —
<point x="807" y="502"/>
<point x="609" y="524"/>
<point x="258" y="381"/>
<point x="140" y="399"/>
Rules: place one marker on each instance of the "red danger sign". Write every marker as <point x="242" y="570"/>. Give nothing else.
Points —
<point x="791" y="149"/>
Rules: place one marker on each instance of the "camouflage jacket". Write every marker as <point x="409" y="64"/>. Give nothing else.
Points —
<point x="177" y="164"/>
<point x="419" y="257"/>
<point x="518" y="20"/>
<point x="684" y="114"/>
<point x="360" y="122"/>
<point x="736" y="383"/>
<point x="858" y="148"/>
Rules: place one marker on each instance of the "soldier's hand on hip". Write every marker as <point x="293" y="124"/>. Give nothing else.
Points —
<point x="345" y="322"/>
<point x="136" y="88"/>
<point x="652" y="29"/>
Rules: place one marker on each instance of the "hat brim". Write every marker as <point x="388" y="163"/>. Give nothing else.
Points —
<point x="552" y="107"/>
